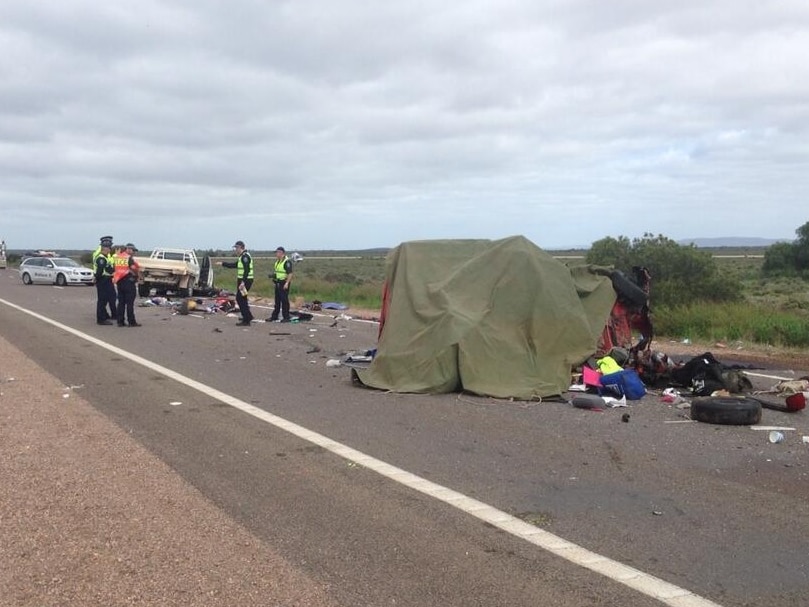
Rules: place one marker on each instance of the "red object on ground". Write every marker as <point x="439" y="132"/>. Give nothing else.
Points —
<point x="796" y="402"/>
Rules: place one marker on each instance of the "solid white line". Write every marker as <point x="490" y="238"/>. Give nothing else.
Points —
<point x="768" y="376"/>
<point x="663" y="591"/>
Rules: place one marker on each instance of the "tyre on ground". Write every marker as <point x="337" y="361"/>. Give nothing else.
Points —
<point x="726" y="410"/>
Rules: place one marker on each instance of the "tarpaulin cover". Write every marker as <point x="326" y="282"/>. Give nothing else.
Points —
<point x="499" y="318"/>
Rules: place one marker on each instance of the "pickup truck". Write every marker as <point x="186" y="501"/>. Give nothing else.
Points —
<point x="176" y="270"/>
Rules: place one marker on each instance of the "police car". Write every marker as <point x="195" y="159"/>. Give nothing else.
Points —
<point x="54" y="270"/>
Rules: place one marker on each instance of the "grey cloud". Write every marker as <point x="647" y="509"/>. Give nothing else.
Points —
<point x="495" y="118"/>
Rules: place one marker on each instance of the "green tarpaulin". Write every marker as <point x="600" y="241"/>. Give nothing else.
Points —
<point x="499" y="318"/>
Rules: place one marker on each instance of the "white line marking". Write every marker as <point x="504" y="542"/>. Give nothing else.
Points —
<point x="666" y="593"/>
<point x="768" y="376"/>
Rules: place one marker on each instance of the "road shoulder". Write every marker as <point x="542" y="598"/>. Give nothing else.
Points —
<point x="89" y="517"/>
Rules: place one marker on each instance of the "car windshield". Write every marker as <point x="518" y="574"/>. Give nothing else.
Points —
<point x="64" y="262"/>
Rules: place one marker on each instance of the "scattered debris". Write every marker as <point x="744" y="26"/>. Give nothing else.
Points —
<point x="331" y="305"/>
<point x="776" y="437"/>
<point x="333" y="362"/>
<point x="613" y="402"/>
<point x="588" y="401"/>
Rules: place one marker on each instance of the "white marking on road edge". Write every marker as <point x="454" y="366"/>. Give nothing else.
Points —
<point x="644" y="583"/>
<point x="768" y="376"/>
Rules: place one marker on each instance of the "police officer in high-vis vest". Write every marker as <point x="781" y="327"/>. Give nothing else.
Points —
<point x="244" y="280"/>
<point x="103" y="271"/>
<point x="126" y="279"/>
<point x="281" y="277"/>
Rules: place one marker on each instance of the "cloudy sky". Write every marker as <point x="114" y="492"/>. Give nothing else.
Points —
<point x="347" y="124"/>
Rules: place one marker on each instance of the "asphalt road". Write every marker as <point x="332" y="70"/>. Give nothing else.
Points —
<point x="716" y="511"/>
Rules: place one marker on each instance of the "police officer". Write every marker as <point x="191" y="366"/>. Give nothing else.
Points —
<point x="126" y="278"/>
<point x="104" y="240"/>
<point x="281" y="277"/>
<point x="244" y="280"/>
<point x="105" y="291"/>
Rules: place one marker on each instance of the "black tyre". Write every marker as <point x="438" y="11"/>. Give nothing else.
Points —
<point x="726" y="410"/>
<point x="61" y="280"/>
<point x="26" y="279"/>
<point x="627" y="290"/>
<point x="144" y="290"/>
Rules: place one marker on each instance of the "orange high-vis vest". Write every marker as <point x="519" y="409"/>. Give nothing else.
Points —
<point x="121" y="264"/>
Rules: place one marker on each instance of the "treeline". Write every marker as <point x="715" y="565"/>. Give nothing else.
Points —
<point x="693" y="296"/>
<point x="681" y="274"/>
<point x="789" y="258"/>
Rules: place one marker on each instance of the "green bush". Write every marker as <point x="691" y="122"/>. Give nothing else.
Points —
<point x="789" y="258"/>
<point x="680" y="274"/>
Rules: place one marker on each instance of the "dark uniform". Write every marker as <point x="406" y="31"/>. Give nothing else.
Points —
<point x="126" y="278"/>
<point x="244" y="281"/>
<point x="105" y="290"/>
<point x="106" y="241"/>
<point x="281" y="277"/>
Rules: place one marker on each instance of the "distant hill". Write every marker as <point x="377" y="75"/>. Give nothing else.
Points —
<point x="730" y="241"/>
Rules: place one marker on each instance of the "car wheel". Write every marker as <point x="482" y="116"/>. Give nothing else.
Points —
<point x="144" y="290"/>
<point x="727" y="410"/>
<point x="26" y="279"/>
<point x="61" y="280"/>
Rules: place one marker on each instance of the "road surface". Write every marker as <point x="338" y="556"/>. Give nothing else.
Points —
<point x="370" y="498"/>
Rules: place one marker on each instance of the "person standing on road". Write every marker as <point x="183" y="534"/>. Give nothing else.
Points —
<point x="105" y="291"/>
<point x="126" y="278"/>
<point x="110" y="302"/>
<point x="244" y="281"/>
<point x="281" y="277"/>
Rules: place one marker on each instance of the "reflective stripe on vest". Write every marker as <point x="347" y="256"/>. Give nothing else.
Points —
<point x="280" y="269"/>
<point x="240" y="266"/>
<point x="96" y="254"/>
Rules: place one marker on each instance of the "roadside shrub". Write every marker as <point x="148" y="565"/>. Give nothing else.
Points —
<point x="680" y="274"/>
<point x="789" y="258"/>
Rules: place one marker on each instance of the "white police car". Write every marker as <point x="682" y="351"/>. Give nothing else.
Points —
<point x="54" y="270"/>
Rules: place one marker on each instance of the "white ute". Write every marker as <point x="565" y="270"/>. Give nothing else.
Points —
<point x="176" y="270"/>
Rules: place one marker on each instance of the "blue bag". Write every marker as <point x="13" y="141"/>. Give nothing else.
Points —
<point x="624" y="383"/>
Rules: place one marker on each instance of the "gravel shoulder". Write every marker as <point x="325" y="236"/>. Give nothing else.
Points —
<point x="89" y="517"/>
<point x="752" y="354"/>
